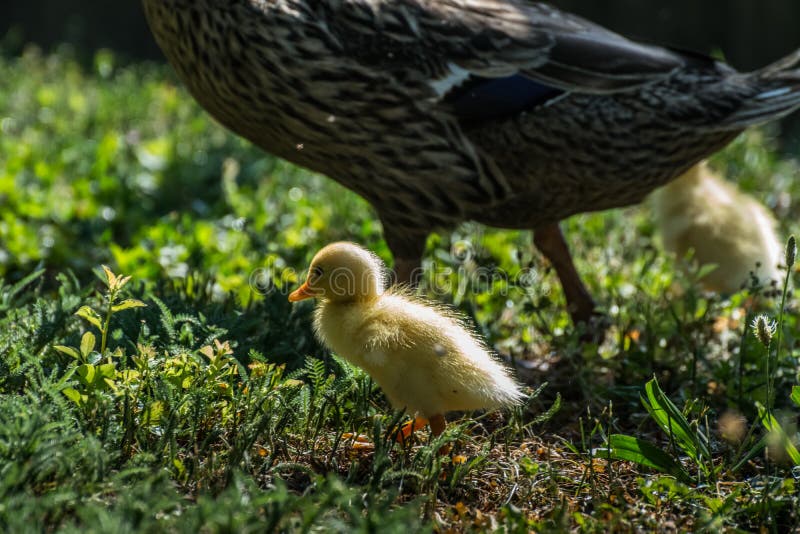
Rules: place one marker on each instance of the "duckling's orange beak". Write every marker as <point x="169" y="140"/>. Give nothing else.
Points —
<point x="301" y="293"/>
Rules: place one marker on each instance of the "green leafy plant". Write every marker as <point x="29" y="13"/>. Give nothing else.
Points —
<point x="777" y="435"/>
<point x="97" y="369"/>
<point x="683" y="436"/>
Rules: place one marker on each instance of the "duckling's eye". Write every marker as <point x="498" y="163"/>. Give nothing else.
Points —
<point x="316" y="273"/>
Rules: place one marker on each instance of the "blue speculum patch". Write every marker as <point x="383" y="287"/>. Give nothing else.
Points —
<point x="484" y="99"/>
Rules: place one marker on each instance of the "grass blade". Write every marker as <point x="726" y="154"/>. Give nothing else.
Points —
<point x="641" y="452"/>
<point x="778" y="434"/>
<point x="673" y="422"/>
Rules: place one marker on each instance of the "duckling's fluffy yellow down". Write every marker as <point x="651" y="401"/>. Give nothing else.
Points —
<point x="423" y="356"/>
<point x="723" y="225"/>
<point x="424" y="360"/>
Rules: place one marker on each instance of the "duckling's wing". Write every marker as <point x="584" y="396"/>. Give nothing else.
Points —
<point x="453" y="40"/>
<point x="386" y="335"/>
<point x="402" y="323"/>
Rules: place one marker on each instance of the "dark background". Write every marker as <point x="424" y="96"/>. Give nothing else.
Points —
<point x="749" y="32"/>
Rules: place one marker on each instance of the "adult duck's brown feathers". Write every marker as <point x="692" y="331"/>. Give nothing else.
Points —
<point x="506" y="112"/>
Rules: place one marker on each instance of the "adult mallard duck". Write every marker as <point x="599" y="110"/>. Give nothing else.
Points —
<point x="507" y="112"/>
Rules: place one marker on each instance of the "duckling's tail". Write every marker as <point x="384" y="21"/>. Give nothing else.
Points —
<point x="778" y="87"/>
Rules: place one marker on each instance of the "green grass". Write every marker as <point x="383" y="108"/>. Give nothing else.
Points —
<point x="193" y="396"/>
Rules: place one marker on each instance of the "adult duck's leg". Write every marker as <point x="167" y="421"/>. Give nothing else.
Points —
<point x="407" y="271"/>
<point x="550" y="241"/>
<point x="407" y="246"/>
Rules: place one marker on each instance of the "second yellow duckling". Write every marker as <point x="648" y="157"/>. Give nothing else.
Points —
<point x="701" y="211"/>
<point x="423" y="357"/>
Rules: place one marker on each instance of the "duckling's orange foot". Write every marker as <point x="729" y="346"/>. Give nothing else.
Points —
<point x="437" y="423"/>
<point x="360" y="441"/>
<point x="407" y="430"/>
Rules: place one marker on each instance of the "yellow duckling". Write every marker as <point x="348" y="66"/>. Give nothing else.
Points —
<point x="724" y="226"/>
<point x="423" y="357"/>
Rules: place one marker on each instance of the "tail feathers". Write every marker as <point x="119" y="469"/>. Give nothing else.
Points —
<point x="784" y="64"/>
<point x="779" y="95"/>
<point x="768" y="105"/>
